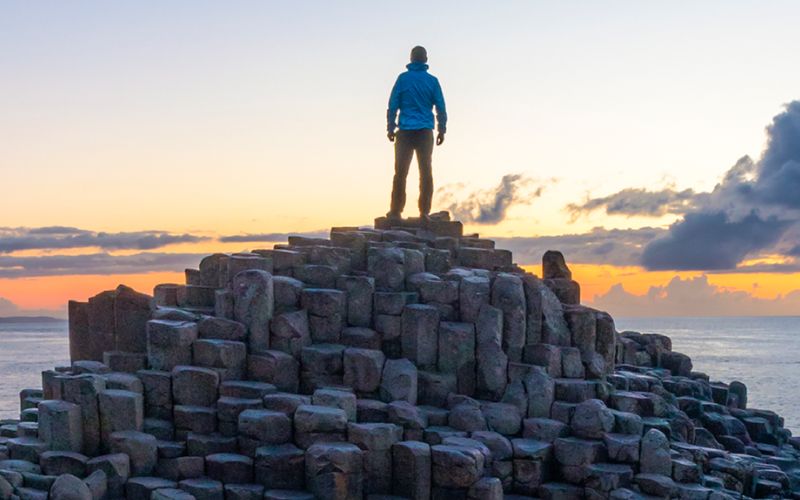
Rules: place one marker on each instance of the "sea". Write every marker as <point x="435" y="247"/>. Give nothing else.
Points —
<point x="761" y="352"/>
<point x="27" y="349"/>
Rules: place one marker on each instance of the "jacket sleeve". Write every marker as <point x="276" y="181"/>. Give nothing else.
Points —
<point x="441" y="109"/>
<point x="394" y="106"/>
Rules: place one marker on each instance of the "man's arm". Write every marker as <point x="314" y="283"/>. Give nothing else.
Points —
<point x="441" y="113"/>
<point x="394" y="106"/>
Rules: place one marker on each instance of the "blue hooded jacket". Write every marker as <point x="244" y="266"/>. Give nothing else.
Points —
<point x="414" y="93"/>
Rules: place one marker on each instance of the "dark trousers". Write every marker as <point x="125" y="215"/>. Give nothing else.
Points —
<point x="406" y="143"/>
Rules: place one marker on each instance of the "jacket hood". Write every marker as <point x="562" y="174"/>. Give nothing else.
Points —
<point x="417" y="66"/>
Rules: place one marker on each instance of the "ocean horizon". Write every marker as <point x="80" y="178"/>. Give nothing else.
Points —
<point x="763" y="352"/>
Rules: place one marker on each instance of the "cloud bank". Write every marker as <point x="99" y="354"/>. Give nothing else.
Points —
<point x="269" y="237"/>
<point x="619" y="247"/>
<point x="52" y="239"/>
<point x="97" y="263"/>
<point x="753" y="211"/>
<point x="694" y="297"/>
<point x="61" y="238"/>
<point x="712" y="241"/>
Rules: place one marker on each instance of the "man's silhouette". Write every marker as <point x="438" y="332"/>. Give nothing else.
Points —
<point x="414" y="94"/>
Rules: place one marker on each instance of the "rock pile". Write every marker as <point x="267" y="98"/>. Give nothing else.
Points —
<point x="405" y="361"/>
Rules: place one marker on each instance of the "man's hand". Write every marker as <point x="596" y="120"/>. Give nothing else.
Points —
<point x="439" y="138"/>
<point x="390" y="135"/>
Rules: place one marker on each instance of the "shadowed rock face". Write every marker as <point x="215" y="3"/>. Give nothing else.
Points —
<point x="406" y="360"/>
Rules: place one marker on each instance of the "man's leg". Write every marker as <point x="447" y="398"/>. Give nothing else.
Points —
<point x="403" y="150"/>
<point x="424" y="158"/>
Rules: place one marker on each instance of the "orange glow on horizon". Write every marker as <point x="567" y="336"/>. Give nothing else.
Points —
<point x="53" y="292"/>
<point x="596" y="279"/>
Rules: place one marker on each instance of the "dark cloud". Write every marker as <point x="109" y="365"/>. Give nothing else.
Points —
<point x="620" y="247"/>
<point x="746" y="214"/>
<point x="778" y="182"/>
<point x="753" y="211"/>
<point x="269" y="237"/>
<point x="705" y="241"/>
<point x="774" y="268"/>
<point x="694" y="297"/>
<point x="637" y="201"/>
<point x="98" y="263"/>
<point x="60" y="238"/>
<point x="490" y="207"/>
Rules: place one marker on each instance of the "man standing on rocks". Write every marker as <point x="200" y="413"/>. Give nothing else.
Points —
<point x="414" y="94"/>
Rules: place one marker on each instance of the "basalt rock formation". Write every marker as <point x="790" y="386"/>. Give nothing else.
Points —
<point x="401" y="361"/>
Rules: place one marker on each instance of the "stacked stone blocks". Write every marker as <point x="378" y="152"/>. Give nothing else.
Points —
<point x="404" y="361"/>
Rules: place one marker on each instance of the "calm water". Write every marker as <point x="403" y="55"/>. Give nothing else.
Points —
<point x="26" y="350"/>
<point x="762" y="352"/>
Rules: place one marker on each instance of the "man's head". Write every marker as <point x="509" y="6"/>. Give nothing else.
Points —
<point x="419" y="54"/>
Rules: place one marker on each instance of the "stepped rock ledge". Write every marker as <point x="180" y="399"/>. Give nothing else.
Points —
<point x="404" y="360"/>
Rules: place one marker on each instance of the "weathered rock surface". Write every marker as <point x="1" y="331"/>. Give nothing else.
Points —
<point x="402" y="361"/>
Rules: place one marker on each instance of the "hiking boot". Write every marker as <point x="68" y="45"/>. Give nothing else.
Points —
<point x="393" y="216"/>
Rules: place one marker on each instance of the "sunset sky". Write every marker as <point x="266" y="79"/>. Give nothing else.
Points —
<point x="657" y="144"/>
